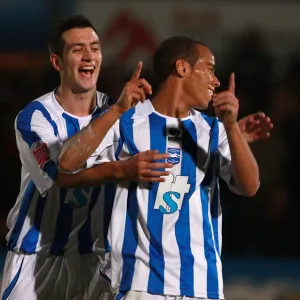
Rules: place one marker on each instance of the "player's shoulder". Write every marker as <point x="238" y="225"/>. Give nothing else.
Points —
<point x="141" y="110"/>
<point x="208" y="123"/>
<point x="43" y="108"/>
<point x="205" y="120"/>
<point x="43" y="103"/>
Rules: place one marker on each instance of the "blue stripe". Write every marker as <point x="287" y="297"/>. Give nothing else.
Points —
<point x="215" y="216"/>
<point x="155" y="217"/>
<point x="120" y="145"/>
<point x="130" y="236"/>
<point x="216" y="197"/>
<point x="72" y="125"/>
<point x="28" y="196"/>
<point x="13" y="283"/>
<point x="208" y="119"/>
<point x="65" y="214"/>
<point x="50" y="168"/>
<point x="182" y="227"/>
<point x="24" y="121"/>
<point x="31" y="238"/>
<point x="24" y="126"/>
<point x="110" y="191"/>
<point x="63" y="225"/>
<point x="85" y="240"/>
<point x="209" y="248"/>
<point x="126" y="123"/>
<point x="208" y="232"/>
<point x="120" y="295"/>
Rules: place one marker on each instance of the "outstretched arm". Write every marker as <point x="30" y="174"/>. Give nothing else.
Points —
<point x="142" y="167"/>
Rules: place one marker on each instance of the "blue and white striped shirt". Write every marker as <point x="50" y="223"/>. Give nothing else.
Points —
<point x="46" y="217"/>
<point x="166" y="237"/>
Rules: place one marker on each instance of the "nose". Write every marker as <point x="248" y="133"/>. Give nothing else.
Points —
<point x="87" y="54"/>
<point x="216" y="81"/>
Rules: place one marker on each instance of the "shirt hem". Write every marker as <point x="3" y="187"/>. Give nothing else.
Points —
<point x="170" y="292"/>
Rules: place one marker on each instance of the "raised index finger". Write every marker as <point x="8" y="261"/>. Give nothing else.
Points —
<point x="137" y="72"/>
<point x="231" y="86"/>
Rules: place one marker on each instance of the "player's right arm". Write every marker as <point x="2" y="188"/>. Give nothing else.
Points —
<point x="39" y="146"/>
<point x="141" y="167"/>
<point x="77" y="149"/>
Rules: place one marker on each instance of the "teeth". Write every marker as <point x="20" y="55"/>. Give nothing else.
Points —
<point x="211" y="92"/>
<point x="88" y="68"/>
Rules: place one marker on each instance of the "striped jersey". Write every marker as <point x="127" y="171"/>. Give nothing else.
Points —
<point x="166" y="237"/>
<point x="46" y="217"/>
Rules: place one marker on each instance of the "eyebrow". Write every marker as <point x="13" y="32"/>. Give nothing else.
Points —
<point x="82" y="44"/>
<point x="211" y="65"/>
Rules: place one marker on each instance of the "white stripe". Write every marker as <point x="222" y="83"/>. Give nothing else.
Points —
<point x="142" y="270"/>
<point x="170" y="245"/>
<point x="116" y="233"/>
<point x="142" y="254"/>
<point x="171" y="254"/>
<point x="197" y="242"/>
<point x="97" y="222"/>
<point x="30" y="217"/>
<point x="218" y="261"/>
<point x="196" y="217"/>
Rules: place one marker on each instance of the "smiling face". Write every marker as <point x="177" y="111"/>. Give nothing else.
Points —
<point x="80" y="61"/>
<point x="200" y="80"/>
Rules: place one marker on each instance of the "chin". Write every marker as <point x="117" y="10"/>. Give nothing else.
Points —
<point x="80" y="89"/>
<point x="202" y="106"/>
<point x="202" y="102"/>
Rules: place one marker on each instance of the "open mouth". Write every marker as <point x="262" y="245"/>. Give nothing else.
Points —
<point x="87" y="71"/>
<point x="211" y="92"/>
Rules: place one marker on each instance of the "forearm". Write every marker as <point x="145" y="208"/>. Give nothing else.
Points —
<point x="94" y="176"/>
<point x="77" y="149"/>
<point x="244" y="166"/>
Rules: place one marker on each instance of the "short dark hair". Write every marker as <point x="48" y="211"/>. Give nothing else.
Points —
<point x="169" y="51"/>
<point x="56" y="43"/>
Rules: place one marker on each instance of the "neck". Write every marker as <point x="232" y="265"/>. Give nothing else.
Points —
<point x="76" y="104"/>
<point x="169" y="101"/>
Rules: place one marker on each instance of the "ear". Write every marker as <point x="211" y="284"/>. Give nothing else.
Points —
<point x="182" y="68"/>
<point x="55" y="61"/>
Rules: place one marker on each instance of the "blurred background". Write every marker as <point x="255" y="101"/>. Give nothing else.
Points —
<point x="258" y="40"/>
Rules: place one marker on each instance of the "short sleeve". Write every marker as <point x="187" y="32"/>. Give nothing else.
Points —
<point x="38" y="144"/>
<point x="106" y="151"/>
<point x="225" y="159"/>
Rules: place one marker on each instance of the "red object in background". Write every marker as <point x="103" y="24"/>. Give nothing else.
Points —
<point x="139" y="35"/>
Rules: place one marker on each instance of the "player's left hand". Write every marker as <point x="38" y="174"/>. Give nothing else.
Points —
<point x="226" y="105"/>
<point x="255" y="127"/>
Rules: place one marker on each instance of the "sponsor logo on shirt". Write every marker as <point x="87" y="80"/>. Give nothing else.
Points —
<point x="170" y="193"/>
<point x="174" y="155"/>
<point x="41" y="153"/>
<point x="173" y="134"/>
